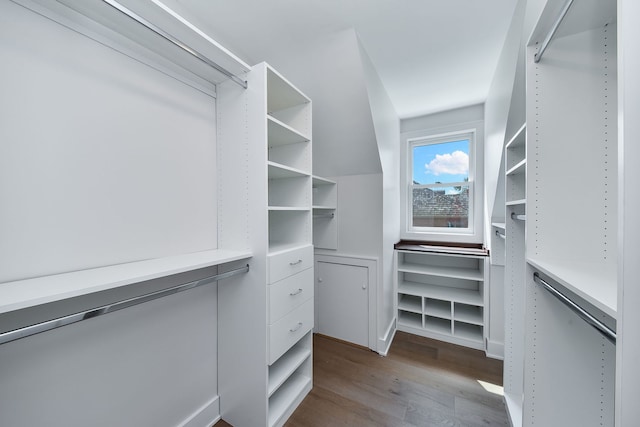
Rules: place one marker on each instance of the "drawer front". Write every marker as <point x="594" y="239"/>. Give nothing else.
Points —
<point x="289" y="293"/>
<point x="288" y="330"/>
<point x="291" y="262"/>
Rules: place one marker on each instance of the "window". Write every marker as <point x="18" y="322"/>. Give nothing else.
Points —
<point x="440" y="191"/>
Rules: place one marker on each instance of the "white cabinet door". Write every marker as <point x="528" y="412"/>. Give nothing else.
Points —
<point x="343" y="302"/>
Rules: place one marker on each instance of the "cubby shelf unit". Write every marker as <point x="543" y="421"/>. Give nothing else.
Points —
<point x="442" y="296"/>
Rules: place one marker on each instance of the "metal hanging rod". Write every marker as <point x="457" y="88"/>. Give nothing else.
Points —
<point x="519" y="217"/>
<point x="501" y="235"/>
<point x="607" y="332"/>
<point x="538" y="56"/>
<point x="110" y="308"/>
<point x="328" y="215"/>
<point x="140" y="20"/>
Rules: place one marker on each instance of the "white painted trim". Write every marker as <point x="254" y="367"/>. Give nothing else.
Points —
<point x="206" y="416"/>
<point x="476" y="234"/>
<point x="384" y="343"/>
<point x="371" y="263"/>
<point x="495" y="350"/>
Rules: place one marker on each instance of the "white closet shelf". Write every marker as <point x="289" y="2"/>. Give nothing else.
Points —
<point x="324" y="208"/>
<point x="285" y="366"/>
<point x="500" y="225"/>
<point x="518" y="140"/>
<point x="286" y="396"/>
<point x="595" y="282"/>
<point x="516" y="202"/>
<point x="517" y="169"/>
<point x="317" y="181"/>
<point x="410" y="303"/>
<point x="467" y="331"/>
<point x="468" y="314"/>
<point x="278" y="171"/>
<point x="289" y="208"/>
<point x="464" y="296"/>
<point x="282" y="94"/>
<point x="453" y="272"/>
<point x="282" y="134"/>
<point x="41" y="290"/>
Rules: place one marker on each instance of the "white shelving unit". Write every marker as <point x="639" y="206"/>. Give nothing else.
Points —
<point x="325" y="209"/>
<point x="514" y="278"/>
<point x="268" y="364"/>
<point x="442" y="296"/>
<point x="572" y="219"/>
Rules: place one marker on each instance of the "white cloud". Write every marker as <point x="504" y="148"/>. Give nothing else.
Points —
<point x="456" y="163"/>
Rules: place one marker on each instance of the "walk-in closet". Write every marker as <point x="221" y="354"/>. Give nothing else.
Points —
<point x="281" y="213"/>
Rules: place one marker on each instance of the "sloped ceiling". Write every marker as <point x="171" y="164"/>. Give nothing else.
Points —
<point x="431" y="55"/>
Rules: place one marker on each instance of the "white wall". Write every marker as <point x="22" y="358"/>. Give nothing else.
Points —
<point x="104" y="160"/>
<point x="497" y="108"/>
<point x="359" y="215"/>
<point x="387" y="128"/>
<point x="460" y="119"/>
<point x="330" y="72"/>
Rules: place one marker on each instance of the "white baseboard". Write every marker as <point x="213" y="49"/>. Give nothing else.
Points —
<point x="495" y="350"/>
<point x="206" y="416"/>
<point x="385" y="342"/>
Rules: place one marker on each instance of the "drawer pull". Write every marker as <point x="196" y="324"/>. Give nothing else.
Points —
<point x="295" y="263"/>
<point x="295" y="328"/>
<point x="299" y="291"/>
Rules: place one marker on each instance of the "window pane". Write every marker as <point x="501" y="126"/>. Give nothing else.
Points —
<point x="441" y="207"/>
<point x="443" y="162"/>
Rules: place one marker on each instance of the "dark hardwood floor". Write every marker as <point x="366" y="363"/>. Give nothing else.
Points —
<point x="421" y="382"/>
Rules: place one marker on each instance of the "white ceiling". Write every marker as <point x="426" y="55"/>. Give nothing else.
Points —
<point x="431" y="55"/>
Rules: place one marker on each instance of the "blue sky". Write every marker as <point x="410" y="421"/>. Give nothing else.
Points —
<point x="445" y="162"/>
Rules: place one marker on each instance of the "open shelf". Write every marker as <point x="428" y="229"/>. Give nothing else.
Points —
<point x="280" y="171"/>
<point x="468" y="314"/>
<point x="282" y="134"/>
<point x="410" y="303"/>
<point x="437" y="308"/>
<point x="453" y="272"/>
<point x="467" y="331"/>
<point x="518" y="168"/>
<point x="282" y="94"/>
<point x="286" y="396"/>
<point x="595" y="282"/>
<point x="413" y="320"/>
<point x="41" y="290"/>
<point x="518" y="202"/>
<point x="285" y="366"/>
<point x="466" y="296"/>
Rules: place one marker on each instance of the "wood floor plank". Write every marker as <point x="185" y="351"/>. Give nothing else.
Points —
<point x="421" y="382"/>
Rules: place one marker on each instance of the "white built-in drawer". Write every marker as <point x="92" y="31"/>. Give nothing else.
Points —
<point x="289" y="293"/>
<point x="288" y="330"/>
<point x="284" y="264"/>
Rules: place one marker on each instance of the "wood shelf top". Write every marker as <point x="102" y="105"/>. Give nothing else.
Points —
<point x="42" y="290"/>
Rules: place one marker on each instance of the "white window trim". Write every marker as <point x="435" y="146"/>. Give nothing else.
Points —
<point x="472" y="234"/>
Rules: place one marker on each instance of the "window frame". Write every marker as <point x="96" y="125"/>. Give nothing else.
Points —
<point x="473" y="232"/>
